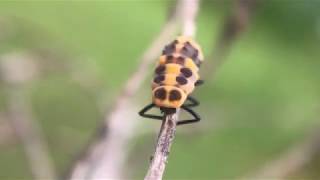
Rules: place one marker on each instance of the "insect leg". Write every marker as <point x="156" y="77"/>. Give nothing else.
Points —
<point x="193" y="102"/>
<point x="199" y="82"/>
<point x="196" y="117"/>
<point x="143" y="111"/>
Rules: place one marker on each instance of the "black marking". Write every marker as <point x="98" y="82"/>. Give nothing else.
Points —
<point x="151" y="116"/>
<point x="158" y="79"/>
<point x="191" y="102"/>
<point x="160" y="94"/>
<point x="174" y="95"/>
<point x="185" y="49"/>
<point x="181" y="80"/>
<point x="189" y="51"/>
<point x="186" y="52"/>
<point x="196" y="117"/>
<point x="180" y="60"/>
<point x="196" y="54"/>
<point x="167" y="110"/>
<point x="160" y="69"/>
<point x="169" y="59"/>
<point x="186" y="72"/>
<point x="199" y="82"/>
<point x="169" y="49"/>
<point x="197" y="61"/>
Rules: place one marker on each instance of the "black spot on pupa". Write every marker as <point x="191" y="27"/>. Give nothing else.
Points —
<point x="185" y="49"/>
<point x="158" y="79"/>
<point x="180" y="60"/>
<point x="181" y="80"/>
<point x="160" y="69"/>
<point x="169" y="49"/>
<point x="168" y="110"/>
<point x="199" y="82"/>
<point x="174" y="95"/>
<point x="160" y="94"/>
<point x="189" y="51"/>
<point x="186" y="52"/>
<point x="195" y="54"/>
<point x="186" y="72"/>
<point x="169" y="59"/>
<point x="197" y="62"/>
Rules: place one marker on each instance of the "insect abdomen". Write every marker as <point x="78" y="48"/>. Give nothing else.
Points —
<point x="176" y="73"/>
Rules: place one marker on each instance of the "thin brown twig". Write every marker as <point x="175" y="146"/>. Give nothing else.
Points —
<point x="165" y="139"/>
<point x="168" y="127"/>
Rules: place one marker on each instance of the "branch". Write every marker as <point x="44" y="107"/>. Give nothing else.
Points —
<point x="168" y="128"/>
<point x="233" y="27"/>
<point x="292" y="160"/>
<point x="161" y="154"/>
<point x="17" y="70"/>
<point x="7" y="135"/>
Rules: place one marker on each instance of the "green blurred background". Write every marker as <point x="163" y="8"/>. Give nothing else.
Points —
<point x="262" y="101"/>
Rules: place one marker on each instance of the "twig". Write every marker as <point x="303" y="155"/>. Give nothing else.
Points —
<point x="161" y="154"/>
<point x="168" y="127"/>
<point x="232" y="29"/>
<point x="17" y="70"/>
<point x="291" y="161"/>
<point x="7" y="135"/>
<point x="105" y="156"/>
<point x="30" y="136"/>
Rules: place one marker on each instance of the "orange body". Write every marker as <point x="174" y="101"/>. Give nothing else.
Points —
<point x="176" y="73"/>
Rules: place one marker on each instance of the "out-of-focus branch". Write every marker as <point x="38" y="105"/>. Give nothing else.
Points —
<point x="7" y="135"/>
<point x="291" y="161"/>
<point x="105" y="156"/>
<point x="16" y="71"/>
<point x="234" y="26"/>
<point x="29" y="133"/>
<point x="168" y="128"/>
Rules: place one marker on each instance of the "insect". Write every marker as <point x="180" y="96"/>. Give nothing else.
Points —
<point x="176" y="76"/>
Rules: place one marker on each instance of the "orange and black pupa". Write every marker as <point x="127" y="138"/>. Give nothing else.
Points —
<point x="175" y="78"/>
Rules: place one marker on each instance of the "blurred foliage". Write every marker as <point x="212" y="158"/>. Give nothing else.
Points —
<point x="263" y="99"/>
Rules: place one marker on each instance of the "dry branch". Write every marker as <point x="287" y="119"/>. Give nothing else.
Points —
<point x="234" y="26"/>
<point x="291" y="161"/>
<point x="7" y="135"/>
<point x="17" y="70"/>
<point x="29" y="134"/>
<point x="161" y="154"/>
